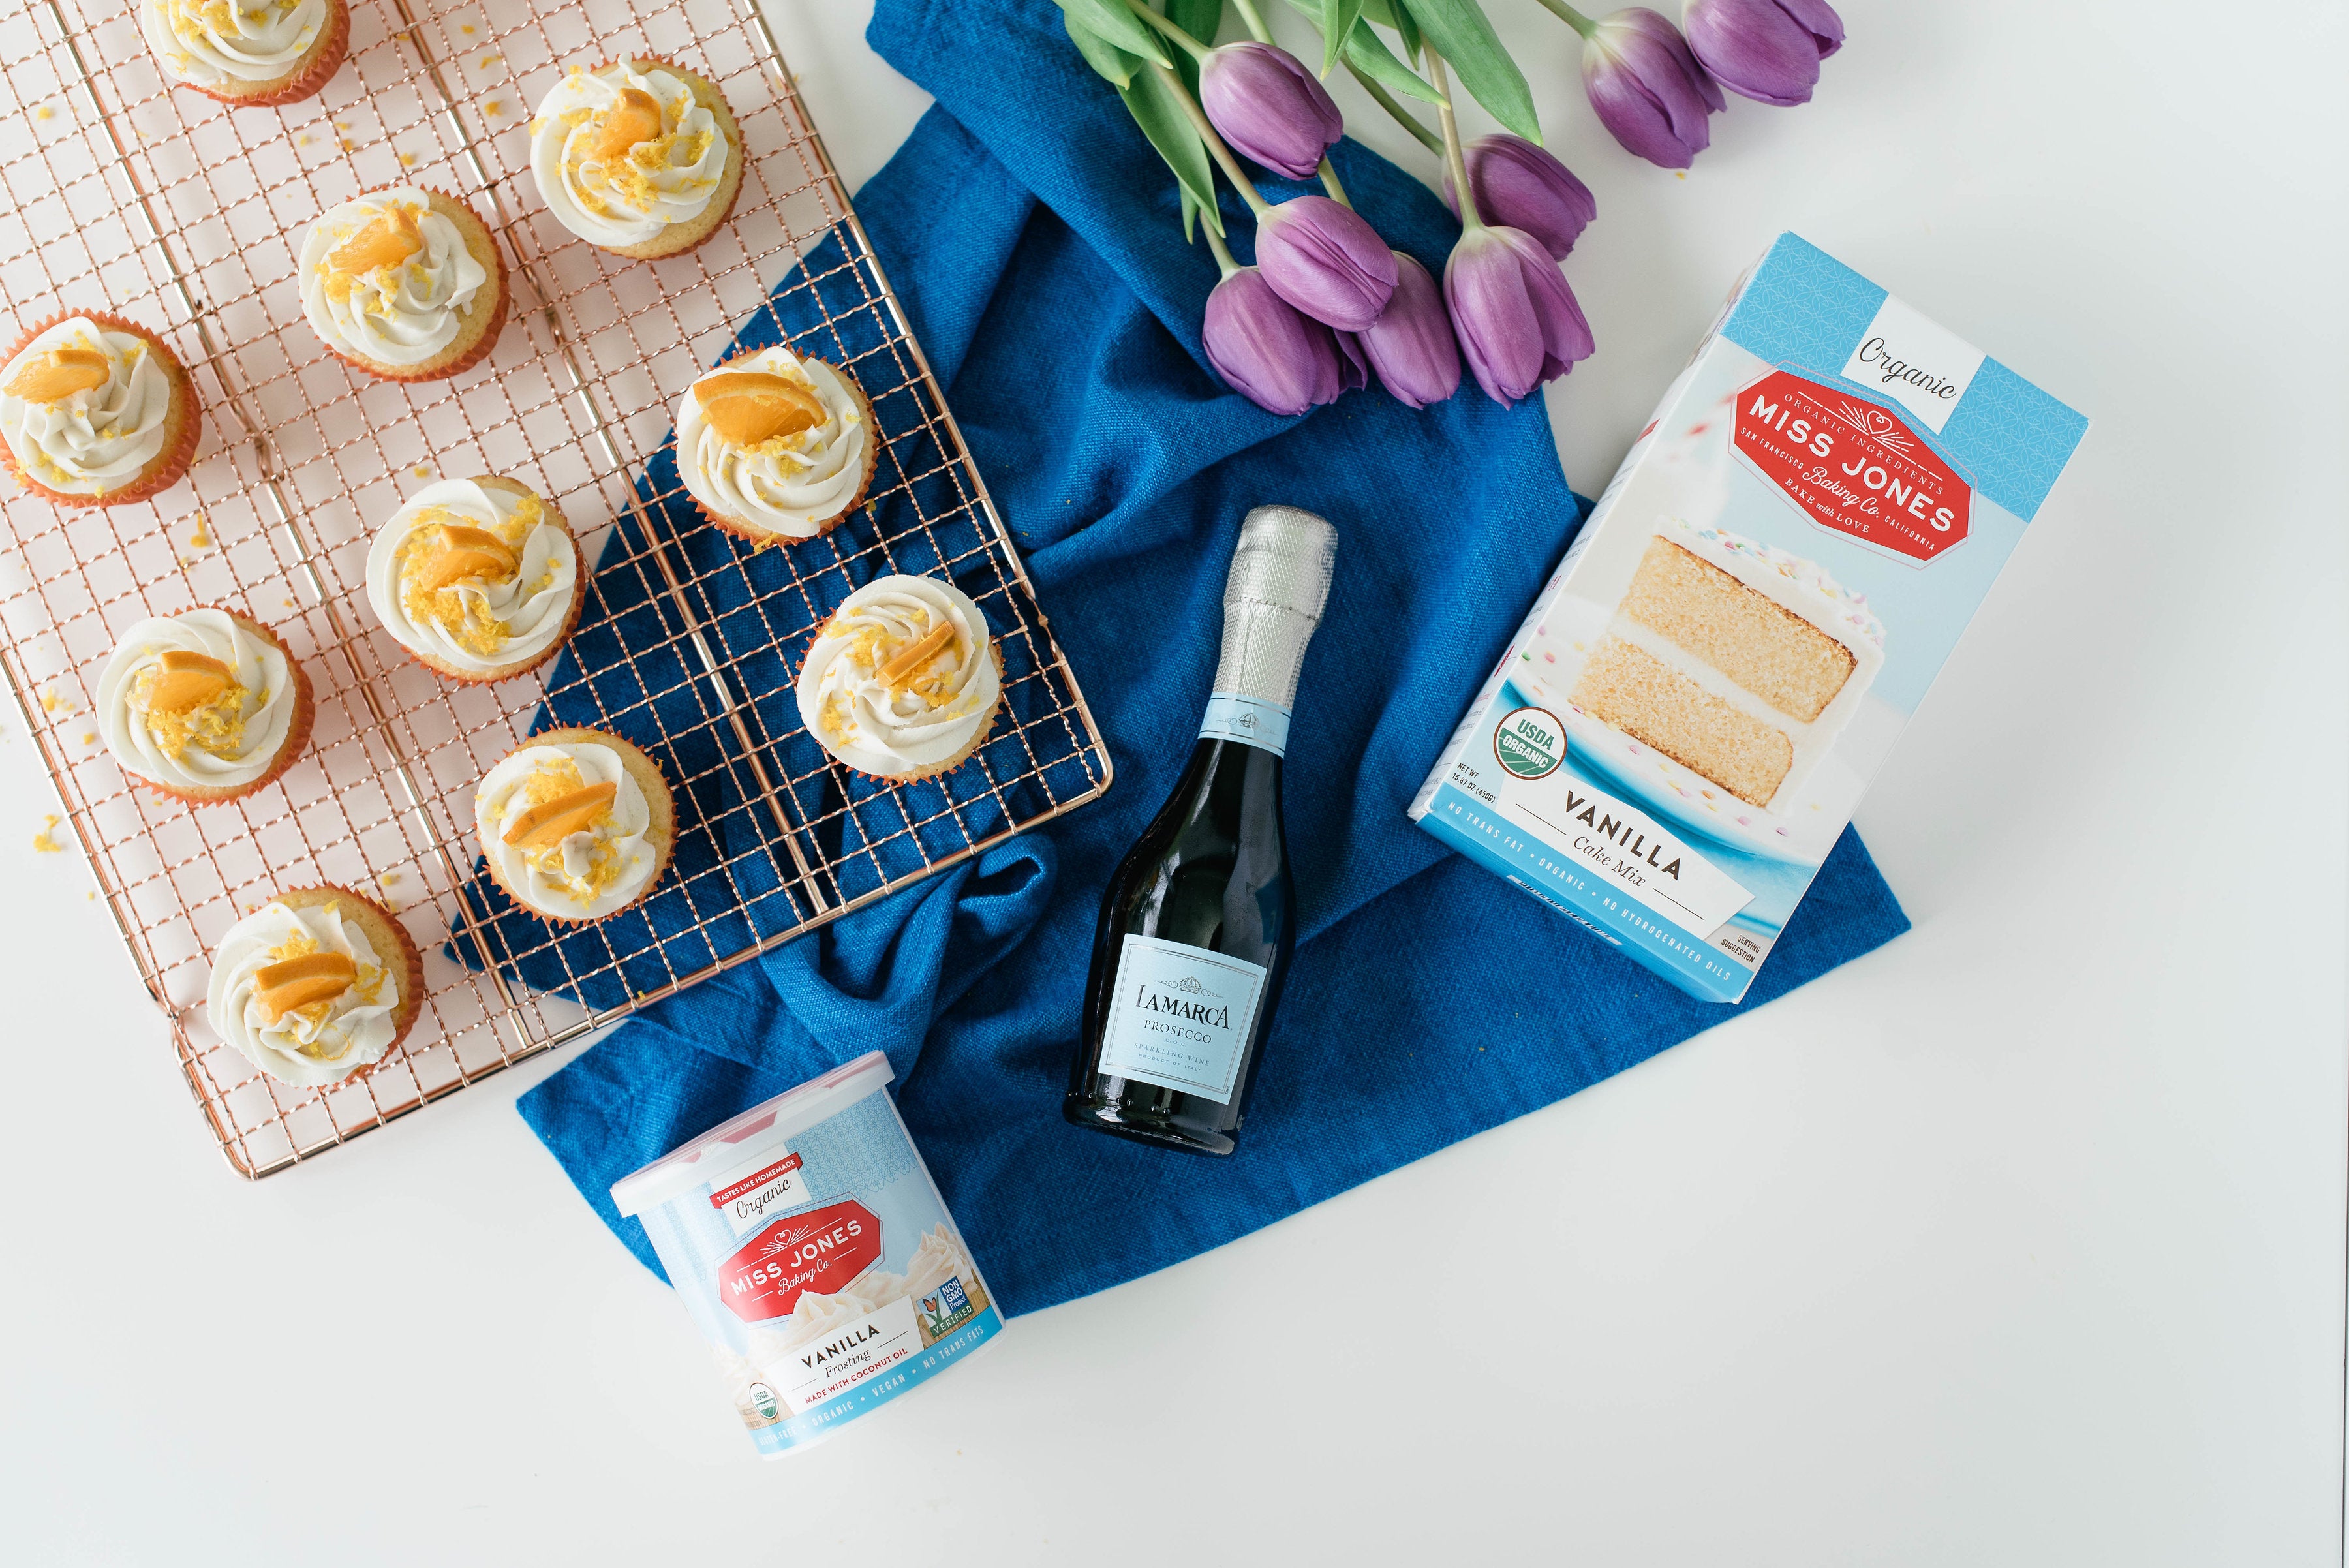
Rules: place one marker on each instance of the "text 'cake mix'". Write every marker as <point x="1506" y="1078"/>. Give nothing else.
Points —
<point x="813" y="1252"/>
<point x="1690" y="713"/>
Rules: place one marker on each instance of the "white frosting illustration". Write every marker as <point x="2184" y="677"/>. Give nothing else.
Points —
<point x="902" y="677"/>
<point x="389" y="279"/>
<point x="94" y="440"/>
<point x="209" y="42"/>
<point x="624" y="197"/>
<point x="511" y="609"/>
<point x="588" y="873"/>
<point x="817" y="1316"/>
<point x="791" y="484"/>
<point x="228" y="736"/>
<point x="323" y="1042"/>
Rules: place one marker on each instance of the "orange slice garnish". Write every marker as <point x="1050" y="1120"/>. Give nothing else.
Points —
<point x="555" y="820"/>
<point x="467" y="551"/>
<point x="390" y="240"/>
<point x="187" y="681"/>
<point x="747" y="406"/>
<point x="296" y="982"/>
<point x="898" y="670"/>
<point x="635" y="117"/>
<point x="58" y="374"/>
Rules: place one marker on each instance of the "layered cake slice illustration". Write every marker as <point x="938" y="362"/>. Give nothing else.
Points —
<point x="1740" y="661"/>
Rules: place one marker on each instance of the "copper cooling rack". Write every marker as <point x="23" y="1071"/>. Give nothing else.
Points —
<point x="121" y="193"/>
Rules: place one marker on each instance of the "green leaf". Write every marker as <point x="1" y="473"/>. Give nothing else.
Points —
<point x="1115" y="65"/>
<point x="1152" y="102"/>
<point x="1110" y="19"/>
<point x="1203" y="19"/>
<point x="1390" y="14"/>
<point x="1190" y="215"/>
<point x="1365" y="52"/>
<point x="1463" y="36"/>
<point x="1343" y="15"/>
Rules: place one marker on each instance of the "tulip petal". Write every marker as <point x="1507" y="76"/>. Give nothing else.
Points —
<point x="1272" y="354"/>
<point x="1411" y="345"/>
<point x="1325" y="260"/>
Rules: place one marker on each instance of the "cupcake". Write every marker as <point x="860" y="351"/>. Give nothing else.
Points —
<point x="252" y="55"/>
<point x="638" y="156"/>
<point x="477" y="578"/>
<point x="205" y="705"/>
<point x="316" y="986"/>
<point x="903" y="682"/>
<point x="95" y="412"/>
<point x="772" y="446"/>
<point x="404" y="283"/>
<point x="577" y="826"/>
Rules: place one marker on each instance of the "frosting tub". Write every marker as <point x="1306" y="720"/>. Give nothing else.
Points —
<point x="813" y="1252"/>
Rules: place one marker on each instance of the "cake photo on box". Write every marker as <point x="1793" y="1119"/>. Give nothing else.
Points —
<point x="1740" y="661"/>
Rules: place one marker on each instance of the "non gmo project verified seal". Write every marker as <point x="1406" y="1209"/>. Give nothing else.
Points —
<point x="946" y="1311"/>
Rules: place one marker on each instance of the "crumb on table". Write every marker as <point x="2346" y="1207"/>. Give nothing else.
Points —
<point x="45" y="842"/>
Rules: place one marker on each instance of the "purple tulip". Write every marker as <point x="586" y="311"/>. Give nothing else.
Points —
<point x="1768" y="50"/>
<point x="1325" y="260"/>
<point x="1269" y="108"/>
<point x="1648" y="87"/>
<point x="1519" y="322"/>
<point x="1273" y="355"/>
<point x="1353" y="369"/>
<point x="1521" y="186"/>
<point x="1411" y="345"/>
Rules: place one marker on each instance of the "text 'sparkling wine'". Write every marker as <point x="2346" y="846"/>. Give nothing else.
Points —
<point x="1200" y="918"/>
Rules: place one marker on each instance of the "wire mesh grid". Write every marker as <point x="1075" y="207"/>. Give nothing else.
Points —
<point x="120" y="192"/>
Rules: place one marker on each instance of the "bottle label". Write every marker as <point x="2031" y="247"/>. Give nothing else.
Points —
<point x="1232" y="717"/>
<point x="1179" y="1017"/>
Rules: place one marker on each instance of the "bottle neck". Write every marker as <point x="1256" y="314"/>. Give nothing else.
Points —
<point x="1256" y="678"/>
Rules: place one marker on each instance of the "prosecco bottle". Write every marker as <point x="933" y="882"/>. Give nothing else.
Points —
<point x="1199" y="919"/>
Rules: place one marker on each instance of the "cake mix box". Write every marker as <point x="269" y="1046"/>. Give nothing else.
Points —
<point x="1691" y="711"/>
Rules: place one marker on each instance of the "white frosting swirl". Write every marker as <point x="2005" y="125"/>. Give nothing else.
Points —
<point x="326" y="1042"/>
<point x="627" y="199"/>
<point x="590" y="873"/>
<point x="209" y="42"/>
<point x="96" y="441"/>
<point x="887" y="728"/>
<point x="221" y="744"/>
<point x="793" y="484"/>
<point x="478" y="624"/>
<point x="402" y="314"/>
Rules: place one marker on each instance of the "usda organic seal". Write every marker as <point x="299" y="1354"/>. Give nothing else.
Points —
<point x="1529" y="743"/>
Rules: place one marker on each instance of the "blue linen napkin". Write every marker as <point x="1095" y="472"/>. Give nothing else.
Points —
<point x="1037" y="246"/>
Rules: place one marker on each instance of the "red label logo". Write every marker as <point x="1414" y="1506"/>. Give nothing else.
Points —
<point x="819" y="1251"/>
<point x="1852" y="465"/>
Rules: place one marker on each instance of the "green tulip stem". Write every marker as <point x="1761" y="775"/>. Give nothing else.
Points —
<point x="1469" y="222"/>
<point x="1215" y="148"/>
<point x="1254" y="19"/>
<point x="1330" y="183"/>
<point x="1223" y="262"/>
<point x="1570" y="16"/>
<point x="1176" y="35"/>
<point x="1403" y="117"/>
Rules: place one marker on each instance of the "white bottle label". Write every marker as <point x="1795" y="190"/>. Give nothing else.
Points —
<point x="1232" y="717"/>
<point x="1179" y="1017"/>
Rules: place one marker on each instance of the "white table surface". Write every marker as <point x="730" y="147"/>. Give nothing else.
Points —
<point x="2019" y="1242"/>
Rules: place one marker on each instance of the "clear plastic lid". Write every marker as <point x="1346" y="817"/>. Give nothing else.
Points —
<point x="764" y="1125"/>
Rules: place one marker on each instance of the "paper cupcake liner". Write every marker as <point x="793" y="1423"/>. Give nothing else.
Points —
<point x="167" y="466"/>
<point x="323" y="63"/>
<point x="571" y="622"/>
<point x="492" y="326"/>
<point x="668" y="850"/>
<point x="737" y="162"/>
<point x="411" y="989"/>
<point x="936" y="770"/>
<point x="297" y="733"/>
<point x="758" y="536"/>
